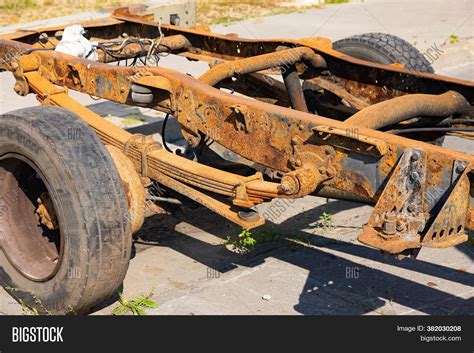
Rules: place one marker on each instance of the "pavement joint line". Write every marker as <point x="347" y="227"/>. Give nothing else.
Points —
<point x="439" y="302"/>
<point x="458" y="296"/>
<point x="244" y="271"/>
<point x="370" y="261"/>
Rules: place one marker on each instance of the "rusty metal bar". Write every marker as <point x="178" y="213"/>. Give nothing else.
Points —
<point x="406" y="107"/>
<point x="262" y="62"/>
<point x="294" y="89"/>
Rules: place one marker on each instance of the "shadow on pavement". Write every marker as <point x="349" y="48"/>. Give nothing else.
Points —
<point x="335" y="285"/>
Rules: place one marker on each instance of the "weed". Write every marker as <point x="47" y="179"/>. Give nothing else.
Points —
<point x="453" y="38"/>
<point x="132" y="119"/>
<point x="244" y="243"/>
<point x="269" y="234"/>
<point x="27" y="310"/>
<point x="135" y="306"/>
<point x="325" y="221"/>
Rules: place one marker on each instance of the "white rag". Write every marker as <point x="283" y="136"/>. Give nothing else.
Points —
<point x="74" y="43"/>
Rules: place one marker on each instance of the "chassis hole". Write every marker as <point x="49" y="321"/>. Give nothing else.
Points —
<point x="29" y="233"/>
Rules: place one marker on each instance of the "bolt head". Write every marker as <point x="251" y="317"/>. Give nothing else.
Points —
<point x="459" y="168"/>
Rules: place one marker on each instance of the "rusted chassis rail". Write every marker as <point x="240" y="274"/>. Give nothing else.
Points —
<point x="423" y="194"/>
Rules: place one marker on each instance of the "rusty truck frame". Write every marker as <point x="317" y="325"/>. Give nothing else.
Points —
<point x="331" y="127"/>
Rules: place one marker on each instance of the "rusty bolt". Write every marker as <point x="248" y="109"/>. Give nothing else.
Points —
<point x="415" y="177"/>
<point x="322" y="170"/>
<point x="330" y="172"/>
<point x="289" y="185"/>
<point x="459" y="168"/>
<point x="390" y="224"/>
<point x="327" y="150"/>
<point x="401" y="225"/>
<point x="193" y="141"/>
<point x="415" y="157"/>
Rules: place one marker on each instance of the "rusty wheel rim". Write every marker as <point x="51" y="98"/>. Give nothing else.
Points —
<point x="30" y="235"/>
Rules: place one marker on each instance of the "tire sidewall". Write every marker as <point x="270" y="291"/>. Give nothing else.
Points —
<point x="66" y="287"/>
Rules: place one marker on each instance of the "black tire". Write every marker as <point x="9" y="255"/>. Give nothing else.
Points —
<point x="384" y="48"/>
<point x="82" y="261"/>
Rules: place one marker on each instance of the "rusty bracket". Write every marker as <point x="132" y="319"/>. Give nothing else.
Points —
<point x="401" y="211"/>
<point x="400" y="217"/>
<point x="145" y="144"/>
<point x="21" y="86"/>
<point x="447" y="228"/>
<point x="44" y="96"/>
<point x="186" y="116"/>
<point x="242" y="198"/>
<point x="311" y="167"/>
<point x="213" y="204"/>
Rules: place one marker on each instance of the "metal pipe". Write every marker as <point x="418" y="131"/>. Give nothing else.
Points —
<point x="277" y="59"/>
<point x="294" y="89"/>
<point x="402" y="108"/>
<point x="165" y="199"/>
<point x="132" y="50"/>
